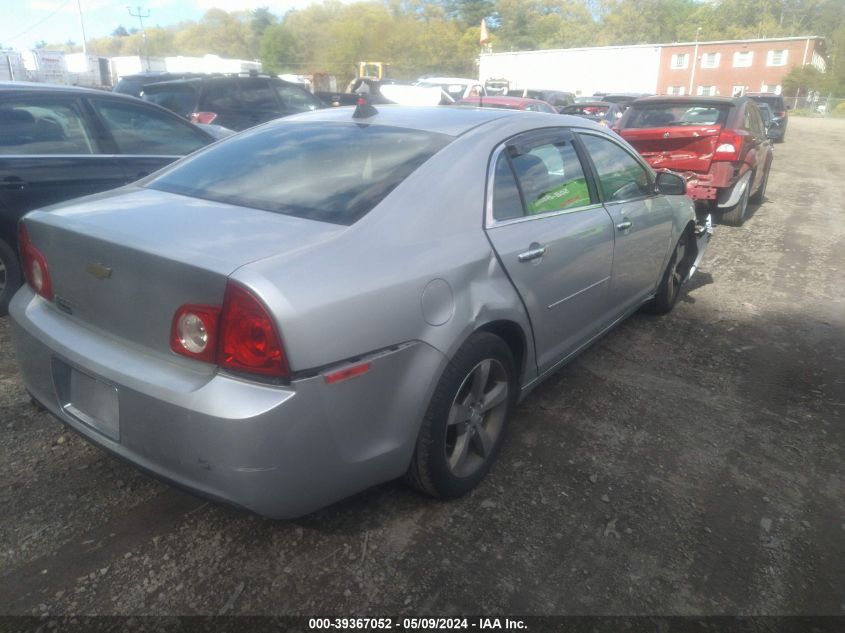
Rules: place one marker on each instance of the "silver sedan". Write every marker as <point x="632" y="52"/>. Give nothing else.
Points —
<point x="327" y="301"/>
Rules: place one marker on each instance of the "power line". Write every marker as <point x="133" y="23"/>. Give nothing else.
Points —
<point x="39" y="23"/>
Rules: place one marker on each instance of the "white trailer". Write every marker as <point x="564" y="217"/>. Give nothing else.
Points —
<point x="46" y="66"/>
<point x="12" y="67"/>
<point x="583" y="71"/>
<point x="88" y="70"/>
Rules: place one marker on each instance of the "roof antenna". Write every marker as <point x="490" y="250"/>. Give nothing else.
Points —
<point x="363" y="109"/>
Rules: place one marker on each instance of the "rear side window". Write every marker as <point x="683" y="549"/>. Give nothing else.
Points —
<point x="144" y="131"/>
<point x="43" y="126"/>
<point x="333" y="172"/>
<point x="621" y="176"/>
<point x="677" y="115"/>
<point x="256" y="94"/>
<point x="180" y="99"/>
<point x="220" y="96"/>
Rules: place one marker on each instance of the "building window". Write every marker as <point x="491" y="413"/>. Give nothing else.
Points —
<point x="675" y="90"/>
<point x="737" y="91"/>
<point x="743" y="59"/>
<point x="706" y="91"/>
<point x="776" y="58"/>
<point x="680" y="60"/>
<point x="710" y="60"/>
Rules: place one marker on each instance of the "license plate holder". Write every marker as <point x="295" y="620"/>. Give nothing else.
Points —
<point x="93" y="402"/>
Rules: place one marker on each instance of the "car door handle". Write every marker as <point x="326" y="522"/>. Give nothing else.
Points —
<point x="12" y="183"/>
<point x="534" y="253"/>
<point x="624" y="225"/>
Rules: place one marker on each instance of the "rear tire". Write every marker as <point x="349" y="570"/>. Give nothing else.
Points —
<point x="760" y="195"/>
<point x="736" y="215"/>
<point x="466" y="420"/>
<point x="10" y="276"/>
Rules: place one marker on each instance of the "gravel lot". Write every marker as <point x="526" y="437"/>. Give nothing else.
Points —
<point x="691" y="464"/>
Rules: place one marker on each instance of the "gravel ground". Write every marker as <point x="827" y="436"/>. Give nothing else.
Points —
<point x="691" y="464"/>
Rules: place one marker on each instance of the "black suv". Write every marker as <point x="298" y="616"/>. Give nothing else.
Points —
<point x="236" y="102"/>
<point x="779" y="110"/>
<point x="133" y="85"/>
<point x="61" y="142"/>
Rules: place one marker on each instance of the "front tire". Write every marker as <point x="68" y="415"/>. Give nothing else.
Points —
<point x="466" y="420"/>
<point x="10" y="276"/>
<point x="673" y="278"/>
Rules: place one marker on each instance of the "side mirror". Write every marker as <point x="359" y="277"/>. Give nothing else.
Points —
<point x="670" y="184"/>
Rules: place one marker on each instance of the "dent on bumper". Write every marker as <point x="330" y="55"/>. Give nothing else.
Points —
<point x="281" y="451"/>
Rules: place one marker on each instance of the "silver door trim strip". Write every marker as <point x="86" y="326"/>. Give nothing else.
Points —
<point x="575" y="294"/>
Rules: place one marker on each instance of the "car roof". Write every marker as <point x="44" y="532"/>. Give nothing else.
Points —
<point x="502" y="100"/>
<point x="448" y="80"/>
<point x="8" y="87"/>
<point x="733" y="101"/>
<point x="449" y="120"/>
<point x="581" y="104"/>
<point x="769" y="95"/>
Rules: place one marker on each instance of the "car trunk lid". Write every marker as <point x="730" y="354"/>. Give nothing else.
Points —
<point x="125" y="261"/>
<point x="687" y="148"/>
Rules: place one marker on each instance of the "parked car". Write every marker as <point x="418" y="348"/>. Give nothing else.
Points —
<point x="622" y="99"/>
<point x="133" y="85"/>
<point x="602" y="112"/>
<point x="59" y="142"/>
<point x="456" y="87"/>
<point x="235" y="102"/>
<point x="328" y="308"/>
<point x="718" y="143"/>
<point x="556" y="98"/>
<point x="773" y="129"/>
<point x="779" y="109"/>
<point x="508" y="103"/>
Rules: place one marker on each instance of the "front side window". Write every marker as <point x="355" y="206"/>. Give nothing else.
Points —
<point x="147" y="132"/>
<point x="332" y="172"/>
<point x="256" y="94"/>
<point x="621" y="176"/>
<point x="295" y="99"/>
<point x="43" y="126"/>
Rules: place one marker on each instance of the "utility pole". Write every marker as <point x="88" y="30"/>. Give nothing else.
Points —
<point x="81" y="26"/>
<point x="694" y="60"/>
<point x="141" y="14"/>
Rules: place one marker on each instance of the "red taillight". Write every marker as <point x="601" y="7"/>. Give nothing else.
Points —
<point x="239" y="336"/>
<point x="194" y="332"/>
<point x="248" y="338"/>
<point x="781" y="114"/>
<point x="203" y="117"/>
<point x="729" y="145"/>
<point x="35" y="268"/>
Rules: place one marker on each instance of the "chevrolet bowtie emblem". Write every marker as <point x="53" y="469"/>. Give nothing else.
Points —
<point x="98" y="270"/>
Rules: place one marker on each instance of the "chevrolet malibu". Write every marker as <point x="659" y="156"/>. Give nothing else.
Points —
<point x="328" y="302"/>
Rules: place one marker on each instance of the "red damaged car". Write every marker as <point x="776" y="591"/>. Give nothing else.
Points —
<point x="718" y="144"/>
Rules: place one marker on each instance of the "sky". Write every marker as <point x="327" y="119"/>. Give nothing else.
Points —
<point x="25" y="22"/>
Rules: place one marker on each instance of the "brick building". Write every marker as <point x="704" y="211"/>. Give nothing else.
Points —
<point x="721" y="67"/>
<point x="736" y="66"/>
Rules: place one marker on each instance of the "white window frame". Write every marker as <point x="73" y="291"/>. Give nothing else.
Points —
<point x="737" y="91"/>
<point x="742" y="55"/>
<point x="679" y="61"/>
<point x="676" y="91"/>
<point x="716" y="57"/>
<point x="710" y="92"/>
<point x="770" y="57"/>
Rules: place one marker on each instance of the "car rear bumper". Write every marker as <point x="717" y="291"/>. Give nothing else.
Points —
<point x="281" y="451"/>
<point x="722" y="177"/>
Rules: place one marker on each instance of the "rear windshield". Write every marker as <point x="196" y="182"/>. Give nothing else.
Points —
<point x="180" y="99"/>
<point x="333" y="172"/>
<point x="775" y="101"/>
<point x="127" y="86"/>
<point x="586" y="110"/>
<point x="676" y="115"/>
